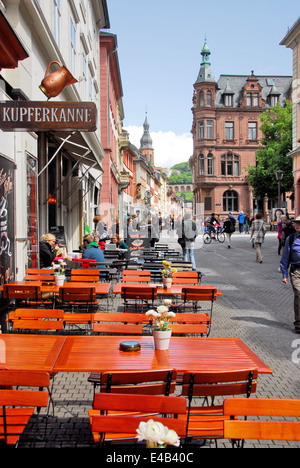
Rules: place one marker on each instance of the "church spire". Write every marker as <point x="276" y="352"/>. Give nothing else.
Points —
<point x="146" y="147"/>
<point x="146" y="140"/>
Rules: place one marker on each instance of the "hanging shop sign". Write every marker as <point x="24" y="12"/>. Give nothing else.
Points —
<point x="46" y="116"/>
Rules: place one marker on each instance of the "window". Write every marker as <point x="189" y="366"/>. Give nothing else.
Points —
<point x="210" y="164"/>
<point x="56" y="21"/>
<point x="201" y="129"/>
<point x="229" y="130"/>
<point x="228" y="100"/>
<point x="201" y="164"/>
<point x="84" y="77"/>
<point x="207" y="204"/>
<point x="201" y="99"/>
<point x="255" y="99"/>
<point x="73" y="47"/>
<point x="208" y="98"/>
<point x="252" y="131"/>
<point x="252" y="99"/>
<point x="230" y="165"/>
<point x="230" y="201"/>
<point x="274" y="100"/>
<point x="209" y="129"/>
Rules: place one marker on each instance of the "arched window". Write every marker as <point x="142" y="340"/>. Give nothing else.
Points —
<point x="230" y="201"/>
<point x="201" y="164"/>
<point x="201" y="99"/>
<point x="208" y="98"/>
<point x="210" y="164"/>
<point x="230" y="165"/>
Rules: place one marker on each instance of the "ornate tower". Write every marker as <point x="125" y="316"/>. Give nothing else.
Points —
<point x="146" y="147"/>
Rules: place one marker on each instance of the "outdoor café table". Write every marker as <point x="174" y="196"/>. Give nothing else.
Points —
<point x="102" y="353"/>
<point x="30" y="352"/>
<point x="175" y="289"/>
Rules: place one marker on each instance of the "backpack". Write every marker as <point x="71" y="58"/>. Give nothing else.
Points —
<point x="232" y="225"/>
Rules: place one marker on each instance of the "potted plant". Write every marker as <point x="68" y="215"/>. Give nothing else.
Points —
<point x="161" y="331"/>
<point x="59" y="273"/>
<point x="167" y="274"/>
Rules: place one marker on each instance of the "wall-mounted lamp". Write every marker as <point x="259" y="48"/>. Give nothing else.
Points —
<point x="51" y="199"/>
<point x="53" y="84"/>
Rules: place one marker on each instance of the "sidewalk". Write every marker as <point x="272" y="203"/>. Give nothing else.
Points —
<point x="73" y="394"/>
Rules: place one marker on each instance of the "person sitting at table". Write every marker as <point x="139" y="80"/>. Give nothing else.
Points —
<point x="120" y="245"/>
<point x="48" y="250"/>
<point x="92" y="250"/>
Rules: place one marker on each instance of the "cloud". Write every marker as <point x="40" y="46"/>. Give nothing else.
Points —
<point x="169" y="148"/>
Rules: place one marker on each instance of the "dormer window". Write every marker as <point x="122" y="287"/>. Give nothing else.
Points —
<point x="228" y="100"/>
<point x="252" y="99"/>
<point x="274" y="100"/>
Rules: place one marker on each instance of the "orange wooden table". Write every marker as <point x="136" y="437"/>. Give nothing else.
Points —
<point x="175" y="289"/>
<point x="102" y="353"/>
<point x="30" y="352"/>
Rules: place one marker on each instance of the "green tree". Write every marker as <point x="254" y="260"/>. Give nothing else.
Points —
<point x="272" y="156"/>
<point x="185" y="175"/>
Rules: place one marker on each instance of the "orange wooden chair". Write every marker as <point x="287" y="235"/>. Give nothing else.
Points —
<point x="206" y="421"/>
<point x="185" y="277"/>
<point x="22" y="295"/>
<point x="155" y="382"/>
<point x="123" y="426"/>
<point x="138" y="298"/>
<point x="118" y="323"/>
<point x="79" y="305"/>
<point x="191" y="297"/>
<point x="263" y="425"/>
<point x="37" y="320"/>
<point x="136" y="276"/>
<point x="85" y="275"/>
<point x="40" y="274"/>
<point x="17" y="405"/>
<point x="190" y="323"/>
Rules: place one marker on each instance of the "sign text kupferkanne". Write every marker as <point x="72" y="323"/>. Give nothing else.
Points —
<point x="44" y="116"/>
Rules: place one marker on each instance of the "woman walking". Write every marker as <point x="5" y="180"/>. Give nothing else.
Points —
<point x="229" y="229"/>
<point x="258" y="231"/>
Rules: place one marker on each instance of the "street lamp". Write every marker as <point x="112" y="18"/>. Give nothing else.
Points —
<point x="279" y="176"/>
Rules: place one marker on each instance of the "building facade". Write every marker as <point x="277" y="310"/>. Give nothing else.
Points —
<point x="292" y="41"/>
<point x="226" y="135"/>
<point x="53" y="169"/>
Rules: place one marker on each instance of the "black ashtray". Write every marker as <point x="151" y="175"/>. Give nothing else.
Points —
<point x="130" y="346"/>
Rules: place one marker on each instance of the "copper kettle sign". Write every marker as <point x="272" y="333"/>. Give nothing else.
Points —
<point x="53" y="83"/>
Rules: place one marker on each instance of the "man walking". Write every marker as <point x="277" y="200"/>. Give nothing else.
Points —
<point x="241" y="220"/>
<point x="291" y="258"/>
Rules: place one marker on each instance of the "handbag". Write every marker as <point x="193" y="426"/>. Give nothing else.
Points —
<point x="181" y="241"/>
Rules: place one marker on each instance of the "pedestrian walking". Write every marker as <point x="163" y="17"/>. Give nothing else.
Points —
<point x="258" y="231"/>
<point x="291" y="261"/>
<point x="241" y="219"/>
<point x="229" y="228"/>
<point x="187" y="234"/>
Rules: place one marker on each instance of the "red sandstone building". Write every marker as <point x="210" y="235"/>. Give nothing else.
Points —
<point x="226" y="134"/>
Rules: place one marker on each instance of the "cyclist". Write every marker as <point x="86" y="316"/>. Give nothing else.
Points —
<point x="211" y="225"/>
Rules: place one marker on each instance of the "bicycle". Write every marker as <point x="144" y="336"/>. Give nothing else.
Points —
<point x="209" y="235"/>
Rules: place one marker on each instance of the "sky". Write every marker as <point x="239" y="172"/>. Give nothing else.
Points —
<point x="159" y="52"/>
